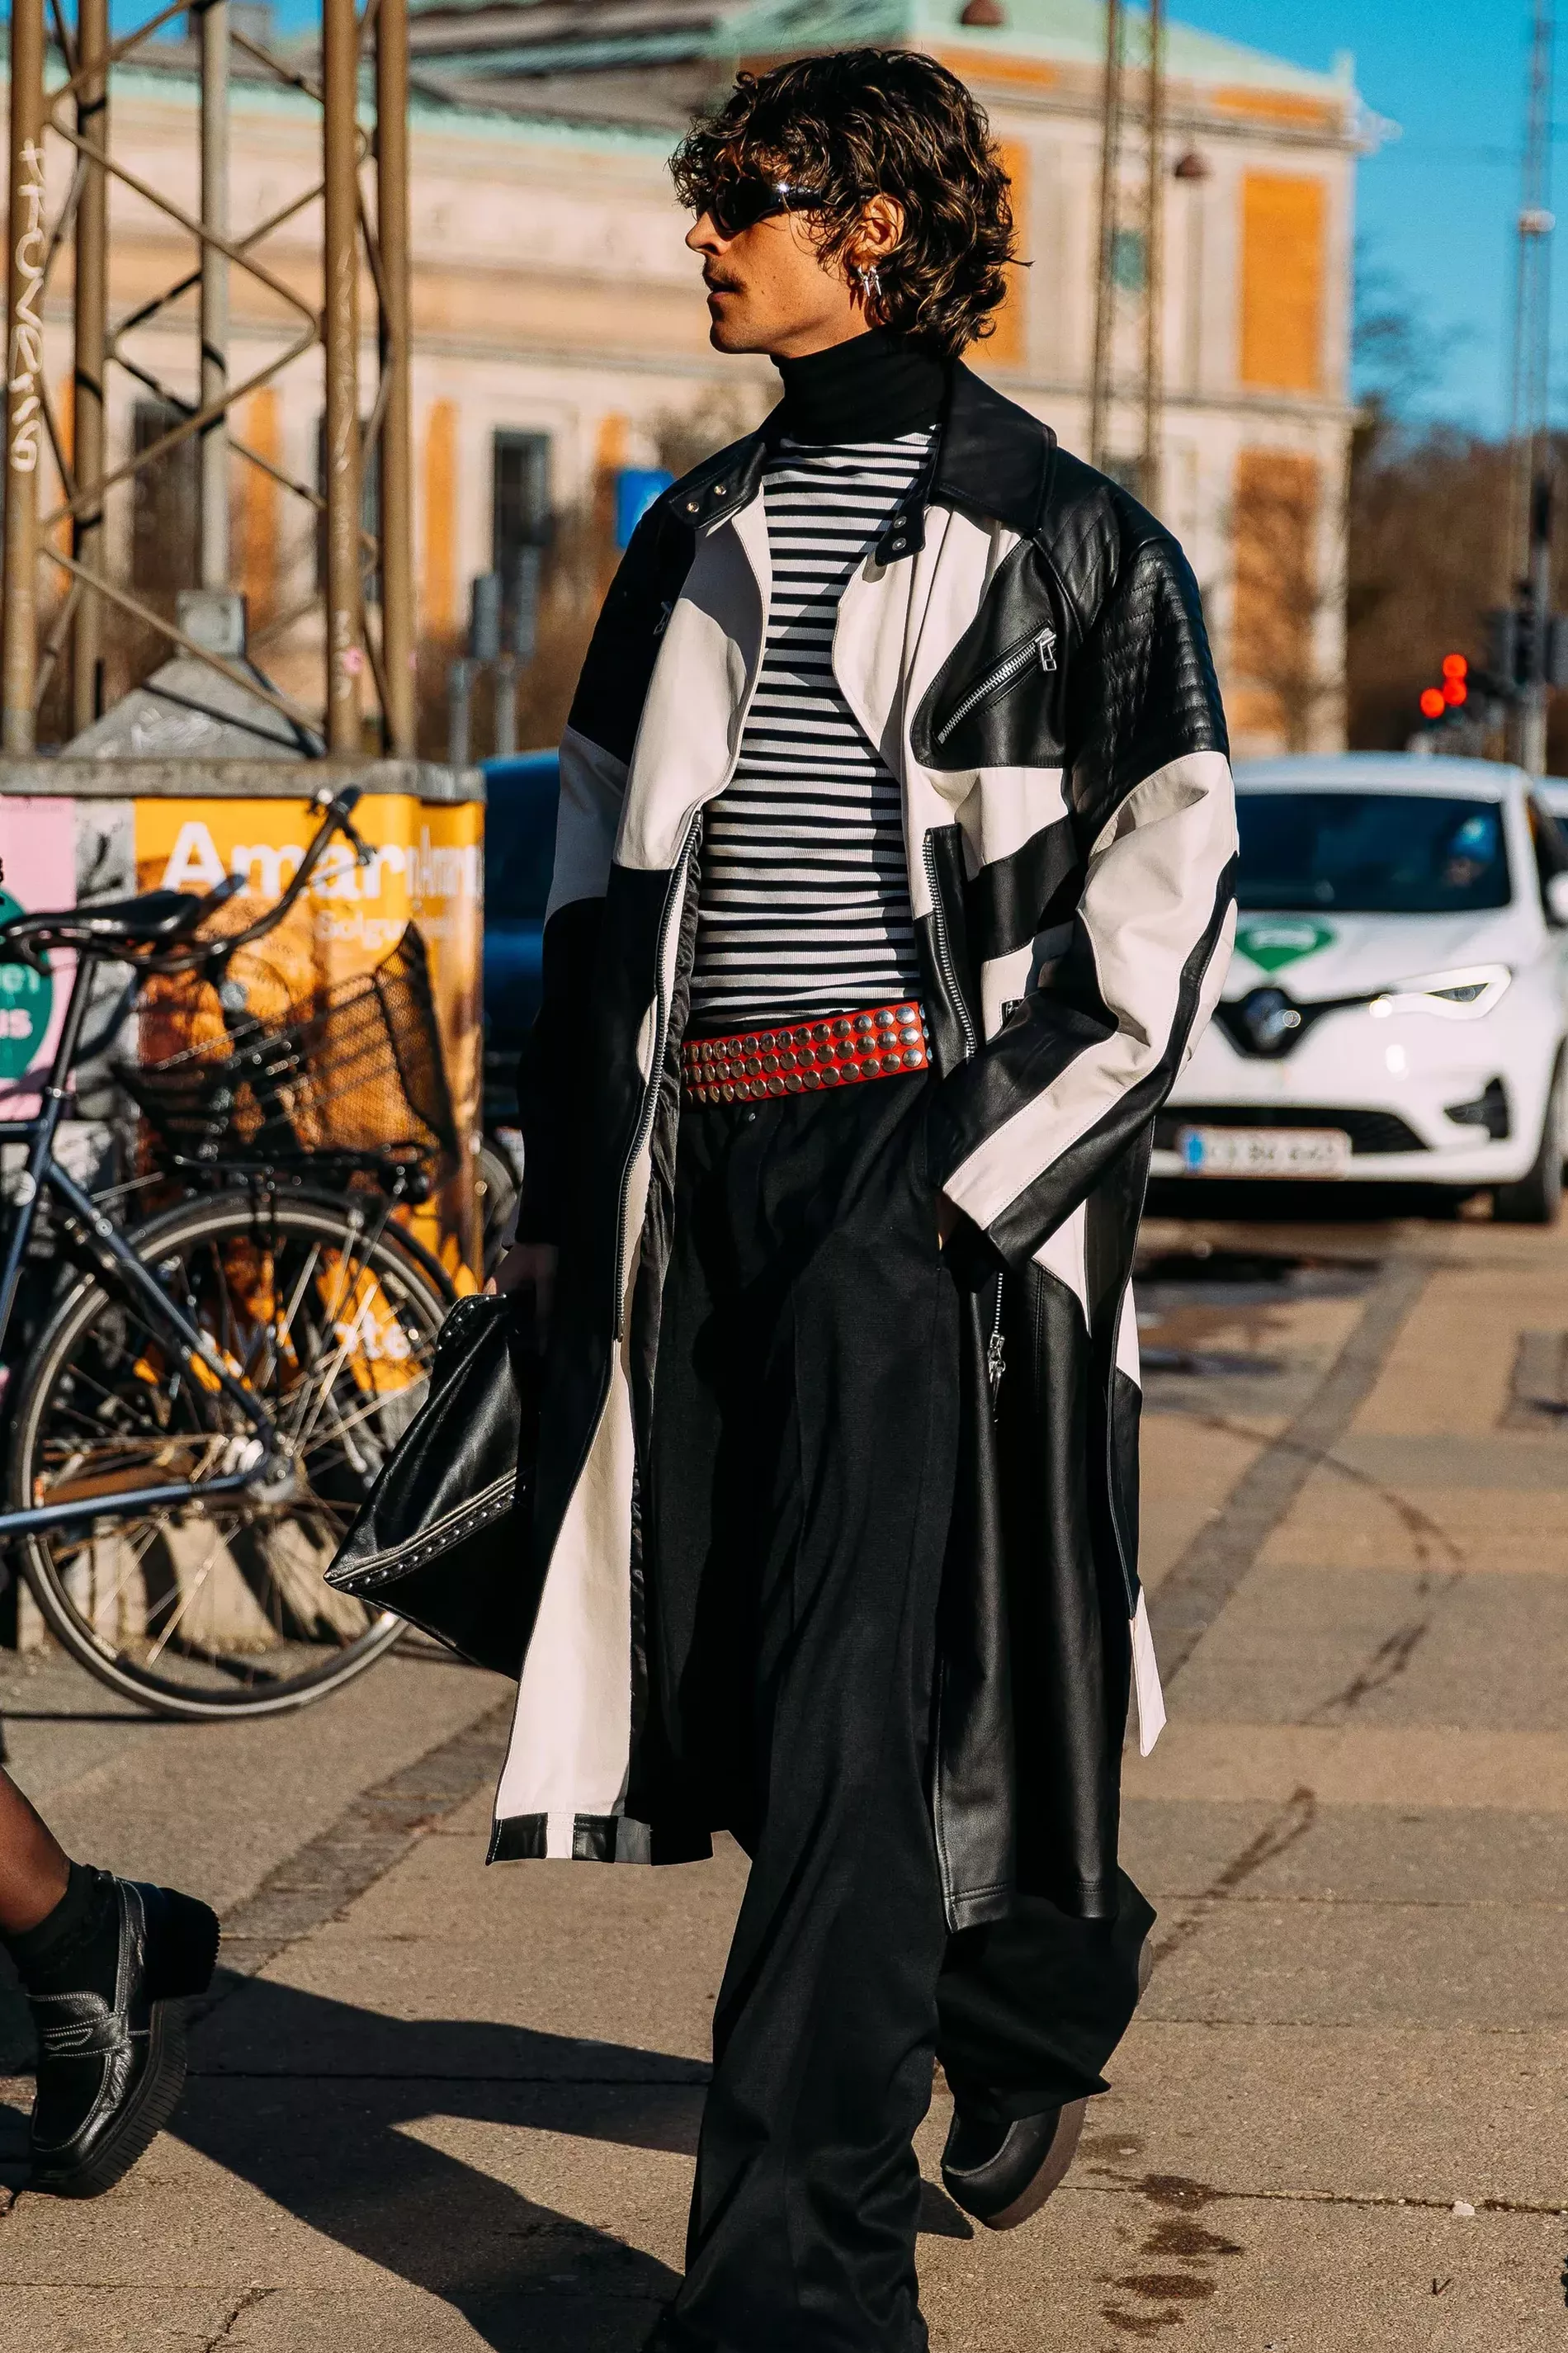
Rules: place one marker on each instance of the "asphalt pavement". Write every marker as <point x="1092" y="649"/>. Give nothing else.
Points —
<point x="433" y="2106"/>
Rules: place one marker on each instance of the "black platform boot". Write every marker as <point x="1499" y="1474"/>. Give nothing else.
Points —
<point x="105" y="1976"/>
<point x="1003" y="2173"/>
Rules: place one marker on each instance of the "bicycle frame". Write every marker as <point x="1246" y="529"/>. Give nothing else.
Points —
<point x="43" y="1170"/>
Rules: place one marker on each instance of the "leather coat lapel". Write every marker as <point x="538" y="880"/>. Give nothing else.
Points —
<point x="698" y="695"/>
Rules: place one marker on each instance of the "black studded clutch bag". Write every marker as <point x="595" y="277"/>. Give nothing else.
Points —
<point x="442" y="1538"/>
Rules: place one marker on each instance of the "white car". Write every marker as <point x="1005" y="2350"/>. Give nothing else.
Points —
<point x="1397" y="1003"/>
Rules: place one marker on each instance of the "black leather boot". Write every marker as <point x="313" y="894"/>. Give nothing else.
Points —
<point x="106" y="2003"/>
<point x="1003" y="2173"/>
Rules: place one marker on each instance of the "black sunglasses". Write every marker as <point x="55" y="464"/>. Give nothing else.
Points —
<point x="741" y="204"/>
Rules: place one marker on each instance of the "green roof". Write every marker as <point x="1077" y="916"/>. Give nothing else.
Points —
<point x="1073" y="32"/>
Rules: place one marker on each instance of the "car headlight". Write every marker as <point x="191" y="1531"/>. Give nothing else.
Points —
<point x="1462" y="995"/>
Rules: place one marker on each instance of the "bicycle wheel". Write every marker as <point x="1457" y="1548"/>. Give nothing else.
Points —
<point x="217" y="1609"/>
<point x="498" y="1188"/>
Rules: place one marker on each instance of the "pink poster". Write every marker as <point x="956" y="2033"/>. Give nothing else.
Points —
<point x="37" y="855"/>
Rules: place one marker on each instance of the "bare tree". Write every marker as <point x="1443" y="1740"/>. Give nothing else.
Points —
<point x="1288" y="576"/>
<point x="1429" y="513"/>
<point x="684" y="437"/>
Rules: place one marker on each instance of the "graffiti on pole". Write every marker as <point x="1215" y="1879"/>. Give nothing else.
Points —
<point x="26" y="354"/>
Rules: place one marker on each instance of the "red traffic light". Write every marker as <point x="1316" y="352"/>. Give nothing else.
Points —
<point x="1432" y="703"/>
<point x="1454" y="691"/>
<point x="1455" y="666"/>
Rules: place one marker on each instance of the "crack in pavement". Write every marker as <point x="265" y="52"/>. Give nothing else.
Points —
<point x="1390" y="1659"/>
<point x="1173" y="2189"/>
<point x="247" y="2303"/>
<point x="1192" y="1594"/>
<point x="1419" y="1525"/>
<point x="1294" y="1818"/>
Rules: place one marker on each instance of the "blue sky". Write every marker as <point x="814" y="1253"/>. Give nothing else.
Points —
<point x="1436" y="206"/>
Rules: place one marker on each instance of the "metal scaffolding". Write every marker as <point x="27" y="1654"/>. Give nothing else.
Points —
<point x="365" y="233"/>
<point x="1103" y="387"/>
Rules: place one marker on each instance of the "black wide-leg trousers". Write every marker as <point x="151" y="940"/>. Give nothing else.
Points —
<point x="797" y="1502"/>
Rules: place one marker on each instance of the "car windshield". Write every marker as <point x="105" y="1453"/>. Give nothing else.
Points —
<point x="1372" y="853"/>
<point x="519" y="847"/>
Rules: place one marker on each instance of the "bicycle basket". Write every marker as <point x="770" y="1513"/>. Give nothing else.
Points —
<point x="355" y="1069"/>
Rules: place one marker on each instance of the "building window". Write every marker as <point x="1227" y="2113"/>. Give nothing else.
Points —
<point x="1284" y="265"/>
<point x="164" y="502"/>
<point x="369" y="503"/>
<point x="520" y="502"/>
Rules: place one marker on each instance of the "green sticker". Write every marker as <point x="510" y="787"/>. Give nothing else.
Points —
<point x="1272" y="946"/>
<point x="27" y="1000"/>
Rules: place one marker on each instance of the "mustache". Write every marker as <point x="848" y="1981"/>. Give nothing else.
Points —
<point x="716" y="284"/>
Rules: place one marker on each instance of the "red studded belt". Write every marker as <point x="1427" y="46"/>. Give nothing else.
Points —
<point x="842" y="1052"/>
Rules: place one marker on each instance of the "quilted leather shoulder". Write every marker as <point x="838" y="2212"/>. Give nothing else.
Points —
<point x="1095" y="535"/>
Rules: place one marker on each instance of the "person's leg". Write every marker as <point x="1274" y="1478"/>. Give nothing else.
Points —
<point x="835" y="1339"/>
<point x="105" y="1963"/>
<point x="34" y="1869"/>
<point x="1032" y="2007"/>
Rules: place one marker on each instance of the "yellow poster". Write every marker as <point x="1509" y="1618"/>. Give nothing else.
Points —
<point x="426" y="867"/>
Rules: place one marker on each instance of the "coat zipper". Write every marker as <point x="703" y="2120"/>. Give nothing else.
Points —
<point x="995" y="1350"/>
<point x="945" y="953"/>
<point x="676" y="892"/>
<point x="994" y="1346"/>
<point x="1041" y="647"/>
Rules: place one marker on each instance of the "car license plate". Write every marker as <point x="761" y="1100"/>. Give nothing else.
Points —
<point x="1264" y="1151"/>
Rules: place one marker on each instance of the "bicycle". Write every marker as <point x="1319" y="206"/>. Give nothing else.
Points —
<point x="207" y="1403"/>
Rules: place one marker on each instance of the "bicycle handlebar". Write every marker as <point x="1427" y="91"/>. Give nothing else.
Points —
<point x="337" y="813"/>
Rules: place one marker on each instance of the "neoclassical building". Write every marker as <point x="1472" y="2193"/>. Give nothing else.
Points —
<point x="560" y="336"/>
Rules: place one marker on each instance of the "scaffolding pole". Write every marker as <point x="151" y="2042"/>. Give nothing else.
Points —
<point x="397" y="424"/>
<point x="90" y="313"/>
<point x="1105" y="244"/>
<point x="25" y="377"/>
<point x="213" y="565"/>
<point x="1154" y="263"/>
<point x="339" y="336"/>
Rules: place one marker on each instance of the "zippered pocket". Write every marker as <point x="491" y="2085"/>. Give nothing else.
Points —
<point x="945" y="965"/>
<point x="1041" y="647"/>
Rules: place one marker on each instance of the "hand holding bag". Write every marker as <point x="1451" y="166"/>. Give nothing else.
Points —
<point x="443" y="1537"/>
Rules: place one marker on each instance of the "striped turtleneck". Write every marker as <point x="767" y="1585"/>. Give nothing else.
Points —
<point x="803" y="904"/>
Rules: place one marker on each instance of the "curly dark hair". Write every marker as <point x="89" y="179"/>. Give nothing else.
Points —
<point x="858" y="122"/>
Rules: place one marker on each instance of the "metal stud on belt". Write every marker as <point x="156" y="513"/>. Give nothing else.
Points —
<point x="883" y="1042"/>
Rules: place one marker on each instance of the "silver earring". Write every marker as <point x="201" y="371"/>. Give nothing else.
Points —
<point x="870" y="285"/>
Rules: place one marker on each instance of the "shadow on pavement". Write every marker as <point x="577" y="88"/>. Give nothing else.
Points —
<point x="1274" y="1200"/>
<point x="332" y="2111"/>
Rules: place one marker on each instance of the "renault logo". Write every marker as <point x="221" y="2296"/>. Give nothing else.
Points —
<point x="1270" y="1018"/>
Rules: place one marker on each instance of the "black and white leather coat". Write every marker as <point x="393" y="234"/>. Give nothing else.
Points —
<point x="1026" y="647"/>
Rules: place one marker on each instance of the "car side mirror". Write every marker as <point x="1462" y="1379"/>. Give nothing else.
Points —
<point x="1557" y="898"/>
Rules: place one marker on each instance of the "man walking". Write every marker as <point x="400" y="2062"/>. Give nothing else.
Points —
<point x="893" y="883"/>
